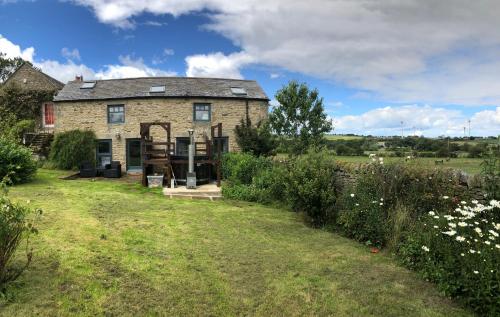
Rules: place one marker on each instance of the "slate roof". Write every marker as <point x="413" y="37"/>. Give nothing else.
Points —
<point x="174" y="87"/>
<point x="54" y="82"/>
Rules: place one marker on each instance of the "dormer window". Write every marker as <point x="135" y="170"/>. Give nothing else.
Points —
<point x="157" y="89"/>
<point x="88" y="85"/>
<point x="238" y="91"/>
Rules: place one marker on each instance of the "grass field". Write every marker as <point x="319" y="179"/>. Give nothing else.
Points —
<point x="112" y="248"/>
<point x="468" y="165"/>
<point x="332" y="137"/>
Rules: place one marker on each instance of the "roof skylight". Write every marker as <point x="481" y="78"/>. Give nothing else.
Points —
<point x="157" y="89"/>
<point x="239" y="91"/>
<point x="88" y="85"/>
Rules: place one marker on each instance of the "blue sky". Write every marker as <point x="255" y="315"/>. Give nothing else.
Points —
<point x="374" y="65"/>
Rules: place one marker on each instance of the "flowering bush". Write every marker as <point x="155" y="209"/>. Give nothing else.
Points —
<point x="460" y="251"/>
<point x="386" y="199"/>
<point x="16" y="162"/>
<point x="15" y="228"/>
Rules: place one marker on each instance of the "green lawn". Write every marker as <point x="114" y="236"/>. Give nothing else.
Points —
<point x="468" y="165"/>
<point x="111" y="248"/>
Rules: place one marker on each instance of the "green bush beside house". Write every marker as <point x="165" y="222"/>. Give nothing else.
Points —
<point x="71" y="148"/>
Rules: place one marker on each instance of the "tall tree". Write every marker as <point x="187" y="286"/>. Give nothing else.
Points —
<point x="8" y="66"/>
<point x="299" y="119"/>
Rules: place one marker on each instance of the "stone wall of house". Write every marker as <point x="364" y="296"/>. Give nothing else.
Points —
<point x="29" y="78"/>
<point x="178" y="111"/>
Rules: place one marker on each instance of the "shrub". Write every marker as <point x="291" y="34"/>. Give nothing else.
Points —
<point x="240" y="168"/>
<point x="460" y="251"/>
<point x="386" y="199"/>
<point x="257" y="140"/>
<point x="243" y="192"/>
<point x="310" y="186"/>
<point x="69" y="149"/>
<point x="16" y="162"/>
<point x="15" y="227"/>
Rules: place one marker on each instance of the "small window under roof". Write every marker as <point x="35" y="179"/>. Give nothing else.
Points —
<point x="157" y="89"/>
<point x="88" y="85"/>
<point x="239" y="91"/>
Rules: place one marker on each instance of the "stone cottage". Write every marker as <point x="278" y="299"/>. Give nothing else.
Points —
<point x="115" y="108"/>
<point x="28" y="77"/>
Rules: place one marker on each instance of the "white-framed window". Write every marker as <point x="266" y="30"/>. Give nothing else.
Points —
<point x="48" y="115"/>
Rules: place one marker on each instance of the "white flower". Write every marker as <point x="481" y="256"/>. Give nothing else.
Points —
<point x="381" y="199"/>
<point x="495" y="203"/>
<point x="497" y="246"/>
<point x="460" y="238"/>
<point x="445" y="197"/>
<point x="476" y="272"/>
<point x="357" y="204"/>
<point x="472" y="251"/>
<point x="431" y="213"/>
<point x="463" y="202"/>
<point x="381" y="204"/>
<point x="493" y="233"/>
<point x="497" y="226"/>
<point x="462" y="254"/>
<point x="436" y="227"/>
<point x="426" y="249"/>
<point x="487" y="242"/>
<point x="452" y="225"/>
<point x="450" y="233"/>
<point x="462" y="224"/>
<point x="475" y="202"/>
<point x="352" y="195"/>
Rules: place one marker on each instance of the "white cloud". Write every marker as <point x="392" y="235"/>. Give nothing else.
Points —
<point x="168" y="52"/>
<point x="418" y="120"/>
<point x="217" y="65"/>
<point x="410" y="51"/>
<point x="73" y="54"/>
<point x="130" y="68"/>
<point x="163" y="57"/>
<point x="64" y="72"/>
<point x="154" y="23"/>
<point x="12" y="50"/>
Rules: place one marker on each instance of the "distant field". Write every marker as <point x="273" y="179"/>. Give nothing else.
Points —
<point x="468" y="165"/>
<point x="343" y="137"/>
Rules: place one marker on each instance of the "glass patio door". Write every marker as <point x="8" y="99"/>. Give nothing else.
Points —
<point x="134" y="155"/>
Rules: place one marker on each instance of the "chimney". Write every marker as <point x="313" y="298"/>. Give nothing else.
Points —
<point x="79" y="78"/>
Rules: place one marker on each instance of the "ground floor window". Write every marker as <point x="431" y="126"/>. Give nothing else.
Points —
<point x="224" y="143"/>
<point x="103" y="153"/>
<point x="182" y="146"/>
